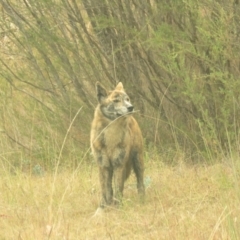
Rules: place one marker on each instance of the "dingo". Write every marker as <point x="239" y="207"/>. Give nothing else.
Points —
<point x="116" y="143"/>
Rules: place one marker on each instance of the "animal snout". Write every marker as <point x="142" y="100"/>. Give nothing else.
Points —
<point x="130" y="108"/>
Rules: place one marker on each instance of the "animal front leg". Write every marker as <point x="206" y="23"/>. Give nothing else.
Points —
<point x="119" y="164"/>
<point x="119" y="184"/>
<point x="105" y="175"/>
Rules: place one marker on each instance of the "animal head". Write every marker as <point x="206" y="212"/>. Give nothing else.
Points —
<point x="115" y="103"/>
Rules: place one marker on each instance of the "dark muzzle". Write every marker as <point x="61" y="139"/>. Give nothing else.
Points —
<point x="130" y="109"/>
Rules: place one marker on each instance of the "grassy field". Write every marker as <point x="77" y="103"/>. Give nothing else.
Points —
<point x="183" y="62"/>
<point x="182" y="202"/>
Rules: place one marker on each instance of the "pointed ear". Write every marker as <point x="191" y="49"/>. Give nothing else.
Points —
<point x="101" y="92"/>
<point x="119" y="86"/>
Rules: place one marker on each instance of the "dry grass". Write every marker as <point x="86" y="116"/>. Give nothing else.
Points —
<point x="182" y="202"/>
<point x="200" y="202"/>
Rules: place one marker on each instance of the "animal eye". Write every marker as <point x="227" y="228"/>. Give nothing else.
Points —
<point x="116" y="100"/>
<point x="128" y="99"/>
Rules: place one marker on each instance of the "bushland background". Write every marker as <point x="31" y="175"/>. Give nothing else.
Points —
<point x="179" y="61"/>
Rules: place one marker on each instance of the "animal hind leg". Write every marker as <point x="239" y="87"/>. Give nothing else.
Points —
<point x="138" y="167"/>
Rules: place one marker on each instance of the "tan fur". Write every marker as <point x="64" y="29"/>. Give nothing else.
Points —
<point x="116" y="143"/>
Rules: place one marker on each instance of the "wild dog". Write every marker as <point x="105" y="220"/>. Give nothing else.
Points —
<point x="116" y="143"/>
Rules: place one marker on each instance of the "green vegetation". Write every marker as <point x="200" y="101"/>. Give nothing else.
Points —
<point x="179" y="61"/>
